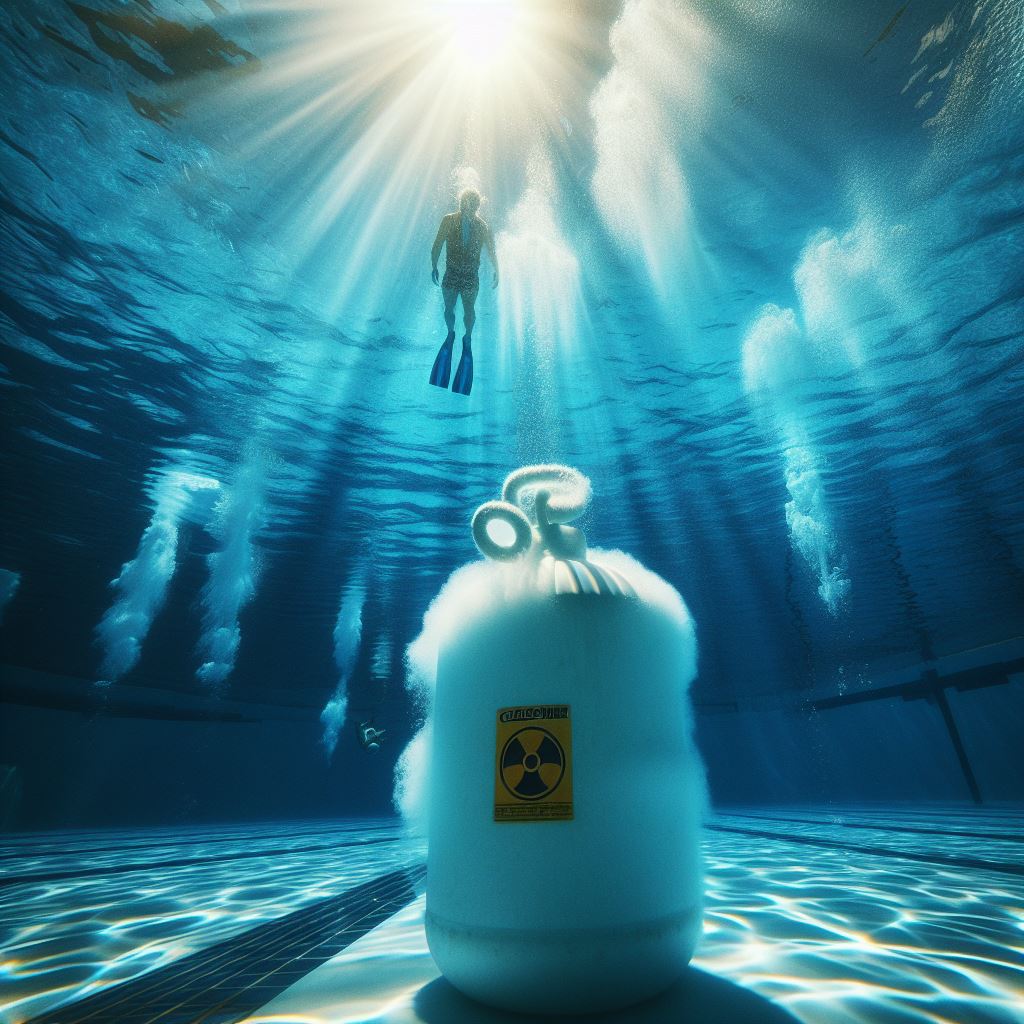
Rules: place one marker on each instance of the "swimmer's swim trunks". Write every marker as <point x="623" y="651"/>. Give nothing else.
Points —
<point x="462" y="262"/>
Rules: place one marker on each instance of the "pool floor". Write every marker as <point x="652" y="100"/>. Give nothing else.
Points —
<point x="815" y="915"/>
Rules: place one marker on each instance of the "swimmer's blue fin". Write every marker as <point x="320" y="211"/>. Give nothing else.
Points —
<point x="442" y="370"/>
<point x="463" y="383"/>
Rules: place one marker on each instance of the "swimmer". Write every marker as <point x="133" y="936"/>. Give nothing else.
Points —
<point x="369" y="736"/>
<point x="465" y="234"/>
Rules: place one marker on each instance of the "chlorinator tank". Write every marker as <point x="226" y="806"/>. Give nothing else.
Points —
<point x="565" y="790"/>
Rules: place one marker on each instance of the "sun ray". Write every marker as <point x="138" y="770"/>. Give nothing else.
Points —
<point x="364" y="110"/>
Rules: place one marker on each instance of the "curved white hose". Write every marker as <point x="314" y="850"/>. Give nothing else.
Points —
<point x="561" y="493"/>
<point x="569" y="490"/>
<point x="502" y="512"/>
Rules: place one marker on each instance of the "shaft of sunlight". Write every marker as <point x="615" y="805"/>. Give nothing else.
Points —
<point x="365" y="108"/>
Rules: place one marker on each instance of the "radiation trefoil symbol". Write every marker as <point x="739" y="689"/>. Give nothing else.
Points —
<point x="532" y="764"/>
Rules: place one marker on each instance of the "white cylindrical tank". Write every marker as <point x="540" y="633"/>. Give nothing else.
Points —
<point x="565" y="792"/>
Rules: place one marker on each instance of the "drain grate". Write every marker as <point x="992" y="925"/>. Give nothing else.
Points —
<point x="228" y="981"/>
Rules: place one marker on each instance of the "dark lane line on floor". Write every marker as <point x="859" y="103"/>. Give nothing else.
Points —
<point x="254" y="837"/>
<point x="1012" y="813"/>
<point x="182" y="862"/>
<point x="940" y="859"/>
<point x="231" y="980"/>
<point x="1009" y="838"/>
<point x="15" y="841"/>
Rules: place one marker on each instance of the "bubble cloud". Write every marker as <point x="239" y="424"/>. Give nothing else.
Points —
<point x="233" y="568"/>
<point x="141" y="586"/>
<point x="348" y="633"/>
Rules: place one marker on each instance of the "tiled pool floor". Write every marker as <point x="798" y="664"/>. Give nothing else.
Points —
<point x="860" y="915"/>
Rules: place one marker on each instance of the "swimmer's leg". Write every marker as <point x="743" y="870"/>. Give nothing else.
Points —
<point x="441" y="372"/>
<point x="469" y="311"/>
<point x="450" y="295"/>
<point x="463" y="382"/>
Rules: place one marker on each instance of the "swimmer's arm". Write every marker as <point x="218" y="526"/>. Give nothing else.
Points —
<point x="493" y="253"/>
<point x="435" y="251"/>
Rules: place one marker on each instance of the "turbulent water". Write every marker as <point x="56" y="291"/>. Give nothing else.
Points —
<point x="762" y="280"/>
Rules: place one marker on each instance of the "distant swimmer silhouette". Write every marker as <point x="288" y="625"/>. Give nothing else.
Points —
<point x="463" y="235"/>
<point x="369" y="736"/>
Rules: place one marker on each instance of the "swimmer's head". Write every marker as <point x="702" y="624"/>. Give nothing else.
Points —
<point x="469" y="201"/>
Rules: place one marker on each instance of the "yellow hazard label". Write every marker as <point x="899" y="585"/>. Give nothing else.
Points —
<point x="533" y="774"/>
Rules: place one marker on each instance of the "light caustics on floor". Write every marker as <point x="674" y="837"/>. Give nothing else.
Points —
<point x="832" y="916"/>
<point x="85" y="911"/>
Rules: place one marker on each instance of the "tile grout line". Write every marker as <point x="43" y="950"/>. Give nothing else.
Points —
<point x="210" y="964"/>
<point x="879" y="851"/>
<point x="184" y="862"/>
<point x="330" y="925"/>
<point x="997" y="837"/>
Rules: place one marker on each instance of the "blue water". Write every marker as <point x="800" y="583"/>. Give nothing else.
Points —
<point x="761" y="280"/>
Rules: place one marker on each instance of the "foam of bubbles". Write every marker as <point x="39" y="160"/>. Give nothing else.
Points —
<point x="778" y="360"/>
<point x="467" y="177"/>
<point x="411" y="790"/>
<point x="774" y="357"/>
<point x="486" y="587"/>
<point x="540" y="287"/>
<point x="9" y="583"/>
<point x="841" y="280"/>
<point x="641" y="109"/>
<point x="478" y="586"/>
<point x="810" y="531"/>
<point x="232" y="580"/>
<point x="141" y="587"/>
<point x="348" y="633"/>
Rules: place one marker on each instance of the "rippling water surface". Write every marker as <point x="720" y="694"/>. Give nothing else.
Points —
<point x="778" y="322"/>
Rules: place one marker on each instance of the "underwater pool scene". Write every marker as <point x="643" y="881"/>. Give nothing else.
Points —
<point x="512" y="510"/>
